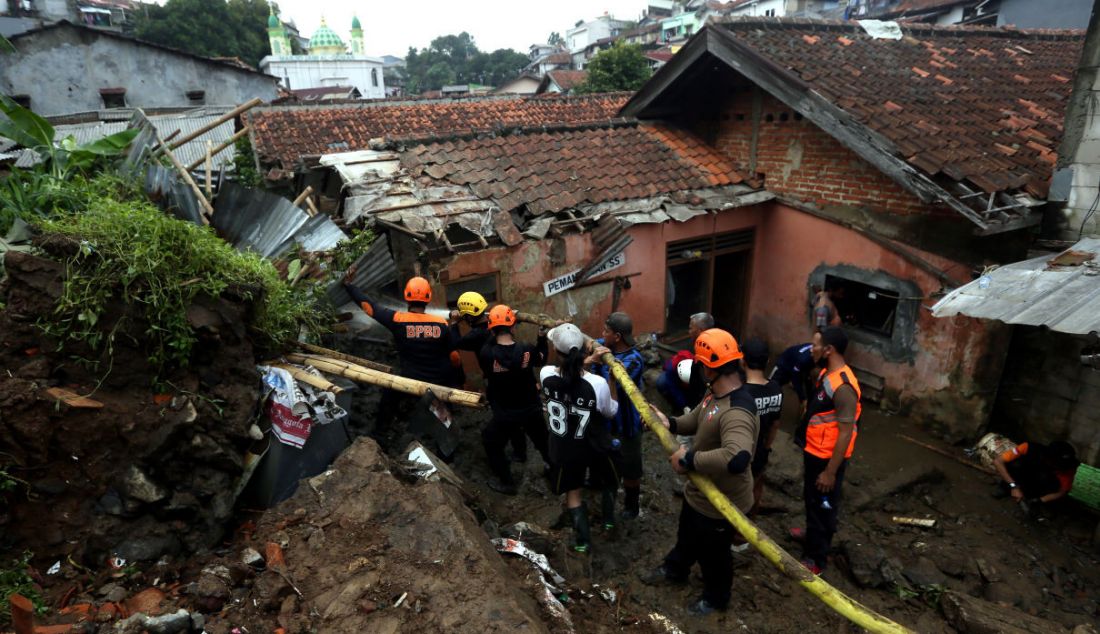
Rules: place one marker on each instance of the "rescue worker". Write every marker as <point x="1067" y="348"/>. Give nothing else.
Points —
<point x="768" y="396"/>
<point x="793" y="366"/>
<point x="471" y="312"/>
<point x="827" y="435"/>
<point x="578" y="404"/>
<point x="725" y="427"/>
<point x="424" y="345"/>
<point x="1035" y="474"/>
<point x="626" y="425"/>
<point x="509" y="369"/>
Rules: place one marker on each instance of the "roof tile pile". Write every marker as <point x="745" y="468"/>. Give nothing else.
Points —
<point x="286" y="133"/>
<point x="551" y="171"/>
<point x="972" y="104"/>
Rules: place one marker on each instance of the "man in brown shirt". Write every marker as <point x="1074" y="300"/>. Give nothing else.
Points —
<point x="725" y="426"/>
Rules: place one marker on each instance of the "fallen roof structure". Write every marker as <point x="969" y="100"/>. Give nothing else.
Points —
<point x="461" y="192"/>
<point x="966" y="117"/>
<point x="285" y="135"/>
<point x="1060" y="292"/>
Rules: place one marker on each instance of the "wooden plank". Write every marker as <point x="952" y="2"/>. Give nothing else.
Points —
<point x="72" y="399"/>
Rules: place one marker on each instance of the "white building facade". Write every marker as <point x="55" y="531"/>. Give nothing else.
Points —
<point x="326" y="64"/>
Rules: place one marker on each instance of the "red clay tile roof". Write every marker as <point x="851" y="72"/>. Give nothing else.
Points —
<point x="905" y="8"/>
<point x="568" y="79"/>
<point x="559" y="58"/>
<point x="969" y="103"/>
<point x="284" y="134"/>
<point x="551" y="171"/>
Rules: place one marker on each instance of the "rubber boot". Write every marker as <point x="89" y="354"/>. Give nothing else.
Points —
<point x="580" y="528"/>
<point x="607" y="508"/>
<point x="631" y="507"/>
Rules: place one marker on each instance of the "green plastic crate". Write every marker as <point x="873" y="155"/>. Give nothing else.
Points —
<point x="1086" y="486"/>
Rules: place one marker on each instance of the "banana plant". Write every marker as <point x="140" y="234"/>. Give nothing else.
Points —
<point x="35" y="133"/>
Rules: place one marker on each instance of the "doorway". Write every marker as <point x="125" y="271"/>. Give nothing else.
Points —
<point x="708" y="274"/>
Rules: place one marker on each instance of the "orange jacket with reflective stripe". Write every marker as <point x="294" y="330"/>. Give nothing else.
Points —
<point x="821" y="428"/>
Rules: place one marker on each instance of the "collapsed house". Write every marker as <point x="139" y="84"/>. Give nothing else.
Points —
<point x="768" y="159"/>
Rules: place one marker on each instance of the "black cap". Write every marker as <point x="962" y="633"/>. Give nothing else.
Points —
<point x="756" y="353"/>
<point x="622" y="324"/>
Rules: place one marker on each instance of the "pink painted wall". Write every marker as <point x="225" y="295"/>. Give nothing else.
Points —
<point x="950" y="379"/>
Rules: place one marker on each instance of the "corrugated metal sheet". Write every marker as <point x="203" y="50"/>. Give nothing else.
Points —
<point x="1043" y="291"/>
<point x="256" y="220"/>
<point x="163" y="187"/>
<point x="374" y="269"/>
<point x="165" y="125"/>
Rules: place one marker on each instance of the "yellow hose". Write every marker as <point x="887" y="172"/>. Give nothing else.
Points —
<point x="844" y="605"/>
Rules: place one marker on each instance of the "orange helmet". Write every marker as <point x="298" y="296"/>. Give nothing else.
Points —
<point x="501" y="315"/>
<point x="715" y="348"/>
<point x="418" y="290"/>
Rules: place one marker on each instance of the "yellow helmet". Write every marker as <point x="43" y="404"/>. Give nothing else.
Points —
<point x="472" y="304"/>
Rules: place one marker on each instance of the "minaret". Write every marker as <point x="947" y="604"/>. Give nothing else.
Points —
<point x="357" y="45"/>
<point x="276" y="35"/>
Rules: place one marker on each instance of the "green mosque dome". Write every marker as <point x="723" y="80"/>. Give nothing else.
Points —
<point x="355" y="23"/>
<point x="273" y="21"/>
<point x="325" y="41"/>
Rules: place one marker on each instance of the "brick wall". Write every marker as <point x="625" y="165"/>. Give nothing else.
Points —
<point x="800" y="160"/>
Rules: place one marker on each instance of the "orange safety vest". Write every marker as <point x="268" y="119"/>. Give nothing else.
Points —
<point x="821" y="428"/>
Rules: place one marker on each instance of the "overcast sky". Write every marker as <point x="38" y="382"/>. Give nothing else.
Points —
<point x="390" y="27"/>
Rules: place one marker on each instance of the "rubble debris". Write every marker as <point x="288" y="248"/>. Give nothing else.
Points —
<point x="975" y="616"/>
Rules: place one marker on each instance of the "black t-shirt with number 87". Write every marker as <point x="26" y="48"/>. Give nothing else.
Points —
<point x="576" y="416"/>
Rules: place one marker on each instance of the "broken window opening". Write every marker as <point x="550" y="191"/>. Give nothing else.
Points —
<point x="24" y="101"/>
<point x="864" y="306"/>
<point x="113" y="97"/>
<point x="487" y="285"/>
<point x="196" y="97"/>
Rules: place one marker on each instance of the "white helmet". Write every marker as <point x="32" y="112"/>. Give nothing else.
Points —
<point x="683" y="370"/>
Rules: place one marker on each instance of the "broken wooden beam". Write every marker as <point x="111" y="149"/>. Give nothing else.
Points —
<point x="298" y="200"/>
<point x="947" y="454"/>
<point x="361" y="374"/>
<point x="343" y="356"/>
<point x="220" y="147"/>
<point x="232" y="114"/>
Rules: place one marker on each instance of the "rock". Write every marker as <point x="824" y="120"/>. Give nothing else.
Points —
<point x="1000" y="592"/>
<point x="148" y="601"/>
<point x="252" y="557"/>
<point x="110" y="503"/>
<point x="533" y="535"/>
<point x="270" y="590"/>
<point x="198" y="622"/>
<point x="178" y="622"/>
<point x="316" y="540"/>
<point x="112" y="592"/>
<point x="148" y="548"/>
<point x="968" y="614"/>
<point x="182" y="502"/>
<point x="137" y="485"/>
<point x="924" y="573"/>
<point x="212" y="586"/>
<point x="865" y="564"/>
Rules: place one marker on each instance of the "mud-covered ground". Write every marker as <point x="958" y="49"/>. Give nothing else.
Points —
<point x="981" y="546"/>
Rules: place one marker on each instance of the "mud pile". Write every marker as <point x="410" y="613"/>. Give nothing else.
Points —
<point x="125" y="473"/>
<point x="370" y="549"/>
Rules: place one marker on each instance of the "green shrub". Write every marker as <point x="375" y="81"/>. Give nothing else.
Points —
<point x="131" y="251"/>
<point x="16" y="580"/>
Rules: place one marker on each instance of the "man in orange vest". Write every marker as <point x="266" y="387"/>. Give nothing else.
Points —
<point x="827" y="435"/>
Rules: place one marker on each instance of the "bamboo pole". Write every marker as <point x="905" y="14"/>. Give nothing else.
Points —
<point x="232" y="114"/>
<point x="334" y="354"/>
<point x="186" y="176"/>
<point x="209" y="172"/>
<point x="841" y="603"/>
<point x="221" y="147"/>
<point x="366" y="375"/>
<point x="948" y="454"/>
<point x="297" y="202"/>
<point x="302" y="376"/>
<point x="311" y="208"/>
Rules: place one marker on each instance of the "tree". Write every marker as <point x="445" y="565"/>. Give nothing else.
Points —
<point x="555" y="39"/>
<point x="621" y="67"/>
<point x="212" y="28"/>
<point x="455" y="59"/>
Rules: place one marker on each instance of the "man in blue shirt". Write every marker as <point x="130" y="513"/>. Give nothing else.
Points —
<point x="793" y="366"/>
<point x="626" y="425"/>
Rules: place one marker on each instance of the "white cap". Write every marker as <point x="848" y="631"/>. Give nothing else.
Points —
<point x="566" y="337"/>
<point x="683" y="370"/>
